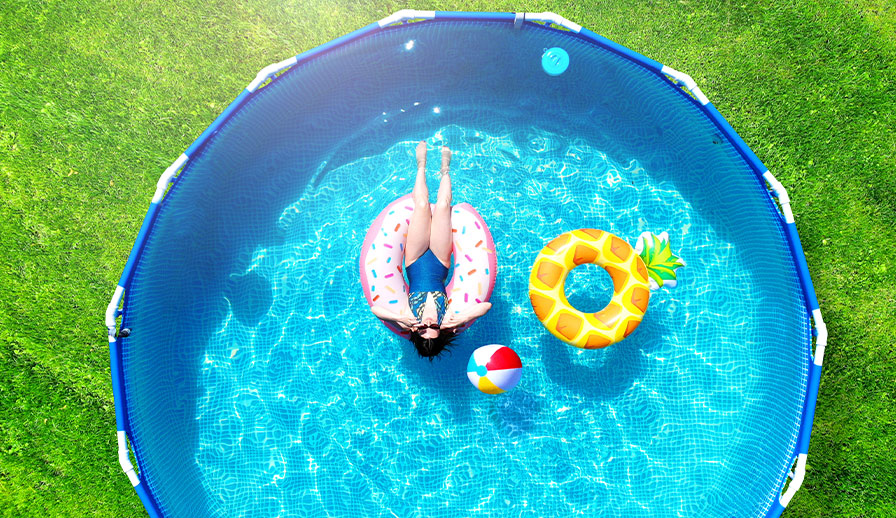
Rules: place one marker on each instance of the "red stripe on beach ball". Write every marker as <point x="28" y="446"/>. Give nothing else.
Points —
<point x="504" y="358"/>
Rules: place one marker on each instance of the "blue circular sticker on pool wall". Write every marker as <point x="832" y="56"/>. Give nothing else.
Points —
<point x="555" y="61"/>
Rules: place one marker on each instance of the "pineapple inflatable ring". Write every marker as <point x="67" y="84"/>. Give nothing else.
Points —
<point x="634" y="272"/>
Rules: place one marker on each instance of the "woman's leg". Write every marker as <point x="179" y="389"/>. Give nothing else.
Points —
<point x="421" y="218"/>
<point x="440" y="239"/>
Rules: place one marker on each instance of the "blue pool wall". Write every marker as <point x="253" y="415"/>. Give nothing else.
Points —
<point x="794" y="244"/>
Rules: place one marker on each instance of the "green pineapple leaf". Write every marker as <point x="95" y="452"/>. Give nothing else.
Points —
<point x="656" y="252"/>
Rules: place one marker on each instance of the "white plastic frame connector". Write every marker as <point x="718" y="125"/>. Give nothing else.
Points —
<point x="167" y="177"/>
<point x="549" y="18"/>
<point x="112" y="312"/>
<point x="822" y="339"/>
<point x="689" y="83"/>
<point x="406" y="14"/>
<point x="796" y="480"/>
<point x="781" y="193"/>
<point x="270" y="71"/>
<point x="124" y="458"/>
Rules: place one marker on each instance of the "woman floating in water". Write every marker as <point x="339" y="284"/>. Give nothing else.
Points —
<point x="427" y="257"/>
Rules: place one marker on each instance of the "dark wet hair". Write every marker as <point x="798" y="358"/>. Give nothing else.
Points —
<point x="432" y="347"/>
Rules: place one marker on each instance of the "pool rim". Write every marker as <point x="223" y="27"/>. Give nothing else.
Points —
<point x="686" y="86"/>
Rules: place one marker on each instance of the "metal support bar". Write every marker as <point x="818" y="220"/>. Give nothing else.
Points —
<point x="781" y="193"/>
<point x="124" y="458"/>
<point x="112" y="312"/>
<point x="797" y="477"/>
<point x="406" y="14"/>
<point x="821" y="340"/>
<point x="269" y="72"/>
<point x="168" y="177"/>
<point x="689" y="83"/>
<point x="549" y="18"/>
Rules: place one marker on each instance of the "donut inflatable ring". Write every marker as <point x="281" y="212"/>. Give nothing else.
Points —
<point x="631" y="288"/>
<point x="382" y="256"/>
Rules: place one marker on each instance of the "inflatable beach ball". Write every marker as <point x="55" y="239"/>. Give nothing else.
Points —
<point x="494" y="368"/>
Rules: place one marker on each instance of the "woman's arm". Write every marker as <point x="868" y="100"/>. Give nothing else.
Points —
<point x="453" y="320"/>
<point x="404" y="321"/>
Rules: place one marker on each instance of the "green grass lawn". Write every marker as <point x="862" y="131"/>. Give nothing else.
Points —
<point x="96" y="100"/>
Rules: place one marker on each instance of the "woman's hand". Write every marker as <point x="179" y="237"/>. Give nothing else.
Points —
<point x="404" y="319"/>
<point x="451" y="321"/>
<point x="407" y="322"/>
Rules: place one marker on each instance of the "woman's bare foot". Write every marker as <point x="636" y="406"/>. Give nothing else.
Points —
<point x="446" y="159"/>
<point x="421" y="154"/>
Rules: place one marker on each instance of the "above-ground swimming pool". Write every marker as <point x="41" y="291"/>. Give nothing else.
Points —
<point x="252" y="380"/>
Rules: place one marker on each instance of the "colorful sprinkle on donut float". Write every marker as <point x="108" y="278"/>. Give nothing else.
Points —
<point x="633" y="277"/>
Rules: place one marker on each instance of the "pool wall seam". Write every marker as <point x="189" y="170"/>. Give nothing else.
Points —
<point x="516" y="21"/>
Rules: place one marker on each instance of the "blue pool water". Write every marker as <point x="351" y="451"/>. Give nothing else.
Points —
<point x="260" y="385"/>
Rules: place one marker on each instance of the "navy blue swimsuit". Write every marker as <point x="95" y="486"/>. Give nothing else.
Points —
<point x="427" y="276"/>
